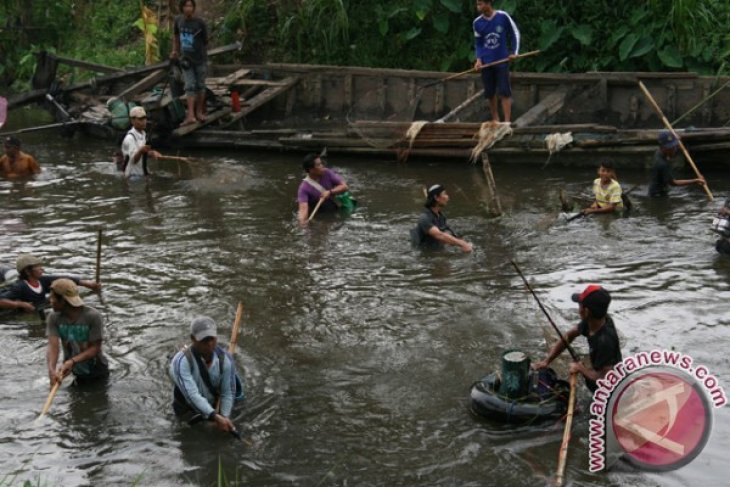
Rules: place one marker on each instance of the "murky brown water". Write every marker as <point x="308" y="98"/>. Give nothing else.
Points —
<point x="358" y="352"/>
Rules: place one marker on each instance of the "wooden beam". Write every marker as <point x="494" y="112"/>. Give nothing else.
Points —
<point x="549" y="106"/>
<point x="143" y="85"/>
<point x="210" y="118"/>
<point x="261" y="99"/>
<point x="97" y="68"/>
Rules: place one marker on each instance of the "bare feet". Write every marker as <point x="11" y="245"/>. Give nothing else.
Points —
<point x="188" y="121"/>
<point x="200" y="117"/>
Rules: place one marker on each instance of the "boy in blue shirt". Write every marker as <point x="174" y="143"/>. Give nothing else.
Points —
<point x="493" y="30"/>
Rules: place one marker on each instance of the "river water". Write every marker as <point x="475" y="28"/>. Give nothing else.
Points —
<point x="358" y="352"/>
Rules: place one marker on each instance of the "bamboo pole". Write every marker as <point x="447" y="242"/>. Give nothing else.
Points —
<point x="666" y="123"/>
<point x="98" y="256"/>
<point x="316" y="208"/>
<point x="174" y="158"/>
<point x="562" y="458"/>
<point x="232" y="344"/>
<point x="51" y="395"/>
<point x="484" y="66"/>
<point x="708" y="98"/>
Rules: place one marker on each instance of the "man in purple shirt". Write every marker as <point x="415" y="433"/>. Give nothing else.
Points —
<point x="320" y="184"/>
<point x="493" y="30"/>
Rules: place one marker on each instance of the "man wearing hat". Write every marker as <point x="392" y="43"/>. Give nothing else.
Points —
<point x="15" y="163"/>
<point x="134" y="146"/>
<point x="79" y="330"/>
<point x="203" y="374"/>
<point x="432" y="231"/>
<point x="661" y="172"/>
<point x="597" y="326"/>
<point x="30" y="290"/>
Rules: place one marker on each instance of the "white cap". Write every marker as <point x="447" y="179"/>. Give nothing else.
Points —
<point x="137" y="112"/>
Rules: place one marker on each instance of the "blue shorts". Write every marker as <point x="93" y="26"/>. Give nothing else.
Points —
<point x="496" y="80"/>
<point x="195" y="78"/>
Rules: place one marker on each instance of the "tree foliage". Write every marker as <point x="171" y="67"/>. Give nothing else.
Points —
<point x="592" y="35"/>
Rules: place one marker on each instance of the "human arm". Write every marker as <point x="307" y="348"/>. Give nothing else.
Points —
<point x="11" y="299"/>
<point x="513" y="33"/>
<point x="686" y="182"/>
<point x="594" y="208"/>
<point x="557" y="348"/>
<point x="33" y="166"/>
<point x="449" y="239"/>
<point x="227" y="387"/>
<point x="589" y="372"/>
<point x="67" y="365"/>
<point x="175" y="41"/>
<point x="88" y="283"/>
<point x="303" y="213"/>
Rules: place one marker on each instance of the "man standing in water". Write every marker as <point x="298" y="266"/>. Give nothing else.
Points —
<point x="203" y="374"/>
<point x="597" y="326"/>
<point x="319" y="184"/>
<point x="15" y="164"/>
<point x="79" y="330"/>
<point x="661" y="172"/>
<point x="134" y="146"/>
<point x="493" y="29"/>
<point x="29" y="291"/>
<point x="432" y="230"/>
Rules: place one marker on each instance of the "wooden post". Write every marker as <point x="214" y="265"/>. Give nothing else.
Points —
<point x="494" y="207"/>
<point x="562" y="458"/>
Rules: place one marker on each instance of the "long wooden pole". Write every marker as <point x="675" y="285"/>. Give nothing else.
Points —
<point x="484" y="66"/>
<point x="51" y="395"/>
<point x="232" y="344"/>
<point x="234" y="332"/>
<point x="562" y="458"/>
<point x="668" y="125"/>
<point x="547" y="315"/>
<point x="98" y="256"/>
<point x="316" y="208"/>
<point x="174" y="158"/>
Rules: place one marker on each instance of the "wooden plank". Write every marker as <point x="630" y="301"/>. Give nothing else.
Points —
<point x="262" y="98"/>
<point x="98" y="68"/>
<point x="210" y="118"/>
<point x="142" y="85"/>
<point x="549" y="106"/>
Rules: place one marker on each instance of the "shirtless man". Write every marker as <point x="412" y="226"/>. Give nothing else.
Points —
<point x="16" y="164"/>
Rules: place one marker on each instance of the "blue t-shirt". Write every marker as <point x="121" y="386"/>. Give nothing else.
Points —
<point x="492" y="35"/>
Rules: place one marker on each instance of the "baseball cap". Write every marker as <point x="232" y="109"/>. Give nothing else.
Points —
<point x="667" y="140"/>
<point x="203" y="327"/>
<point x="68" y="290"/>
<point x="595" y="298"/>
<point x="11" y="141"/>
<point x="435" y="190"/>
<point x="26" y="260"/>
<point x="137" y="112"/>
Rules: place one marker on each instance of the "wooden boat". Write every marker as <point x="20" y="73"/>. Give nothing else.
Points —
<point x="369" y="111"/>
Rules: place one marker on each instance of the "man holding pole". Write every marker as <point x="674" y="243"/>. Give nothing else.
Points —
<point x="134" y="146"/>
<point x="319" y="189"/>
<point x="661" y="172"/>
<point x="493" y="29"/>
<point x="598" y="328"/>
<point x="79" y="330"/>
<point x="203" y="374"/>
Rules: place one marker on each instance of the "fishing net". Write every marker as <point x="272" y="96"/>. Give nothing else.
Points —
<point x="489" y="134"/>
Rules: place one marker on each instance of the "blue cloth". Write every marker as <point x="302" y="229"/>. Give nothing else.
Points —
<point x="21" y="291"/>
<point x="196" y="393"/>
<point x="661" y="176"/>
<point x="491" y="37"/>
<point x="496" y="81"/>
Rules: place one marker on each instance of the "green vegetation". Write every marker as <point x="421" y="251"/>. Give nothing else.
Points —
<point x="593" y="35"/>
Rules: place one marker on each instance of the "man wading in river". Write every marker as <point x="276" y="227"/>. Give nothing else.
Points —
<point x="432" y="230"/>
<point x="320" y="183"/>
<point x="597" y="326"/>
<point x="203" y="373"/>
<point x="79" y="330"/>
<point x="661" y="172"/>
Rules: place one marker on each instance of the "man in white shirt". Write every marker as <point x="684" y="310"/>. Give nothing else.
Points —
<point x="134" y="146"/>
